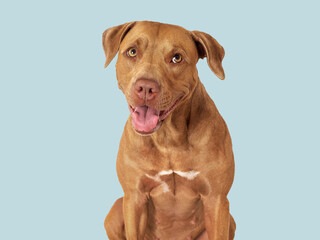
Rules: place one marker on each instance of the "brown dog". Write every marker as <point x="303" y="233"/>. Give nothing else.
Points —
<point x="175" y="161"/>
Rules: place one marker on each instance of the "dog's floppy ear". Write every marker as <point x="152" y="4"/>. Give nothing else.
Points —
<point x="112" y="38"/>
<point x="209" y="47"/>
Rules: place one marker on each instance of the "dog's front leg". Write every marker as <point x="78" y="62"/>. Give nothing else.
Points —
<point x="217" y="217"/>
<point x="135" y="213"/>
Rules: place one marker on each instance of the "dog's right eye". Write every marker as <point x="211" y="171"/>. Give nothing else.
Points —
<point x="177" y="58"/>
<point x="132" y="52"/>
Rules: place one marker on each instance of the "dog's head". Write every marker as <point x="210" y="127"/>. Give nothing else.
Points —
<point x="156" y="67"/>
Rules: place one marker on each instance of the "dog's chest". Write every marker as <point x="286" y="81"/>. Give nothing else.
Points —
<point x="173" y="184"/>
<point x="166" y="180"/>
<point x="174" y="193"/>
<point x="174" y="174"/>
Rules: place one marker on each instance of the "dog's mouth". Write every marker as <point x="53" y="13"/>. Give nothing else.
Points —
<point x="146" y="120"/>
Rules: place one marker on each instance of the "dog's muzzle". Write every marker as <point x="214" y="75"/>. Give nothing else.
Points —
<point x="146" y="119"/>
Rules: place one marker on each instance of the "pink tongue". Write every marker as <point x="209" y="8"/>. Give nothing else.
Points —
<point x="145" y="119"/>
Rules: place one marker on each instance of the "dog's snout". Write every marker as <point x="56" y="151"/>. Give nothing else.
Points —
<point x="146" y="89"/>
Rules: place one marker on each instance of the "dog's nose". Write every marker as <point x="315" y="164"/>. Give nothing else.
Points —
<point x="146" y="89"/>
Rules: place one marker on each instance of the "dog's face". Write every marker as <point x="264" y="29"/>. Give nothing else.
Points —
<point x="156" y="67"/>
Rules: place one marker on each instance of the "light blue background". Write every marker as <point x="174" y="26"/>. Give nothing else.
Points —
<point x="62" y="115"/>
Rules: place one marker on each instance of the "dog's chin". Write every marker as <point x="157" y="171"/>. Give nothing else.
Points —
<point x="147" y="120"/>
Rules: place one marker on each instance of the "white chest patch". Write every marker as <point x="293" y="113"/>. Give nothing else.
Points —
<point x="188" y="175"/>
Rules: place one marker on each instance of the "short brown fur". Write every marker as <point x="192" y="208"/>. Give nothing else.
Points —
<point x="194" y="137"/>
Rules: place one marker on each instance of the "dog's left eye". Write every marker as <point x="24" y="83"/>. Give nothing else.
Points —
<point x="132" y="52"/>
<point x="176" y="58"/>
